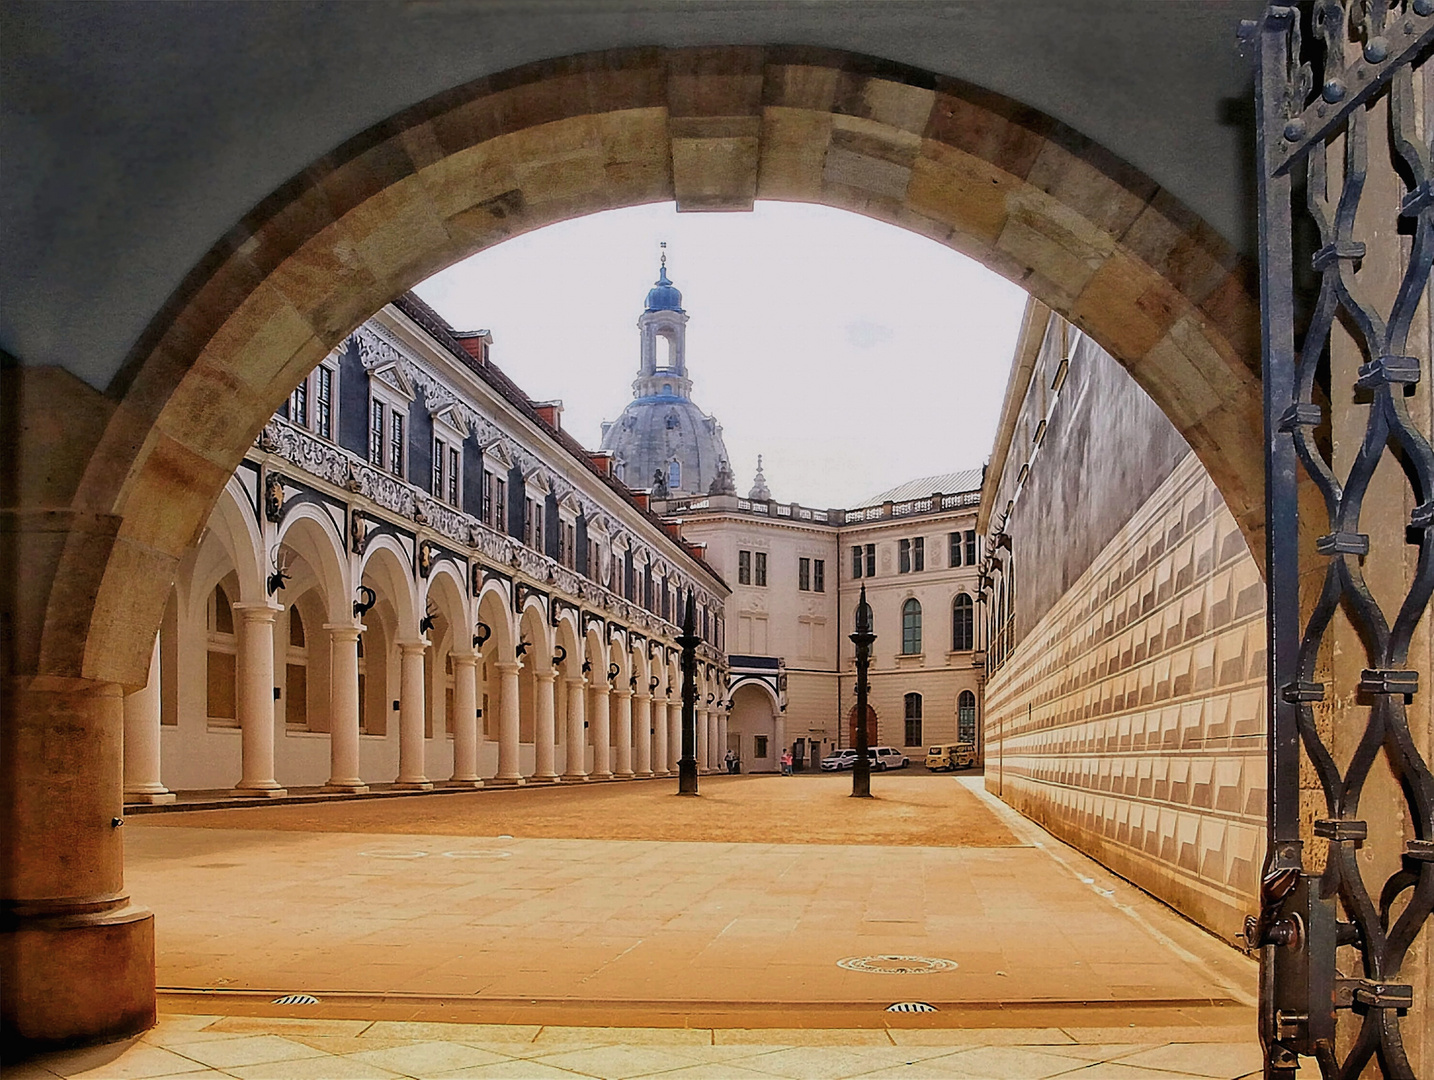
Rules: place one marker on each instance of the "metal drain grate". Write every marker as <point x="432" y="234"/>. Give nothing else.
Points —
<point x="912" y="1006"/>
<point x="296" y="999"/>
<point x="897" y="965"/>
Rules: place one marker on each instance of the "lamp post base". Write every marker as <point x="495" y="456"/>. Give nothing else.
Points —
<point x="687" y="778"/>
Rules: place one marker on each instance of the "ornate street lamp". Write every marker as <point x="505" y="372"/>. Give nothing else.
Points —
<point x="862" y="639"/>
<point x="687" y="764"/>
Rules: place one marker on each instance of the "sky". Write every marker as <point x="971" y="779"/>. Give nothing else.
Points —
<point x="852" y="355"/>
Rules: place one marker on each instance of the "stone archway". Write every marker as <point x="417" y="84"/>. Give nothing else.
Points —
<point x="102" y="526"/>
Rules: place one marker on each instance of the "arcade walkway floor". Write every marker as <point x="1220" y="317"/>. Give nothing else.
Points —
<point x="616" y="930"/>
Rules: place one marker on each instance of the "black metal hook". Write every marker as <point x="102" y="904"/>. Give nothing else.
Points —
<point x="522" y="647"/>
<point x="361" y="607"/>
<point x="652" y="683"/>
<point x="587" y="666"/>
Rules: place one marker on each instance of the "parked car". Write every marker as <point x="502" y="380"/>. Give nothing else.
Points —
<point x="951" y="756"/>
<point x="842" y="759"/>
<point x="888" y="757"/>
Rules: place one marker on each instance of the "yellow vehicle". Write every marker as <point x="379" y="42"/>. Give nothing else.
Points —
<point x="951" y="756"/>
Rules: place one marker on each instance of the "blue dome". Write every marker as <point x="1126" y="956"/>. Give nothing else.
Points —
<point x="663" y="296"/>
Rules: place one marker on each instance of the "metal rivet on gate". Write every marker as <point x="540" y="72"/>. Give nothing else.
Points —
<point x="1295" y="130"/>
<point x="1376" y="50"/>
<point x="1423" y="7"/>
<point x="1333" y="91"/>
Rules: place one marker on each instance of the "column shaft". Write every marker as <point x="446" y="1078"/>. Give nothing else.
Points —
<point x="659" y="736"/>
<point x="344" y="708"/>
<point x="509" y="774"/>
<point x="702" y="763"/>
<point x="544" y="726"/>
<point x="411" y="712"/>
<point x="576" y="768"/>
<point x="465" y="721"/>
<point x="255" y="699"/>
<point x="642" y="731"/>
<point x="602" y="735"/>
<point x="674" y="733"/>
<point x="142" y="741"/>
<point x="624" y="734"/>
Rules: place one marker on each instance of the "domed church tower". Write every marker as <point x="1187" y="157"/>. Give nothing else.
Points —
<point x="662" y="431"/>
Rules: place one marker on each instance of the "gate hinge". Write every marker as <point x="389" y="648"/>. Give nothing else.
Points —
<point x="1341" y="830"/>
<point x="1389" y="681"/>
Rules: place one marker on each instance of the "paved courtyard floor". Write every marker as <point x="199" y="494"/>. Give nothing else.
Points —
<point x="467" y="936"/>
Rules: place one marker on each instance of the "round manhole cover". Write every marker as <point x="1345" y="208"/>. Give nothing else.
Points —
<point x="394" y="854"/>
<point x="897" y="965"/>
<point x="912" y="1006"/>
<point x="479" y="853"/>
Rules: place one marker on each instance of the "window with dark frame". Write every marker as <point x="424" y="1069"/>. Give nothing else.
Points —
<point x="970" y="547"/>
<point x="871" y="560"/>
<point x="744" y="568"/>
<point x="453" y="476"/>
<point x="395" y="445"/>
<point x="819" y="575"/>
<point x="911" y="627"/>
<point x="856" y="561"/>
<point x="440" y="462"/>
<point x="375" y="435"/>
<point x="903" y="556"/>
<point x="804" y="575"/>
<point x="759" y="568"/>
<point x="966" y="717"/>
<point x="918" y="553"/>
<point x="324" y="401"/>
<point x="953" y="545"/>
<point x="963" y="624"/>
<point x="299" y="403"/>
<point x="913" y="720"/>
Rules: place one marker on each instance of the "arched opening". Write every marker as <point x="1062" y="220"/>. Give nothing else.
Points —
<point x="752" y="728"/>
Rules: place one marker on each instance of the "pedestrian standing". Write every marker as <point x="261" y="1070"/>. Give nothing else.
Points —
<point x="786" y="763"/>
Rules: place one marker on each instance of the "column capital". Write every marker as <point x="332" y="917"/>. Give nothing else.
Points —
<point x="623" y="691"/>
<point x="643" y="695"/>
<point x="260" y="611"/>
<point x="545" y="676"/>
<point x="344" y="631"/>
<point x="412" y="646"/>
<point x="465" y="659"/>
<point x="508" y="667"/>
<point x="575" y="680"/>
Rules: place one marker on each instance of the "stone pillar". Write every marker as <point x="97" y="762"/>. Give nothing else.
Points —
<point x="702" y="763"/>
<point x="76" y="957"/>
<point x="465" y="721"/>
<point x="659" y="737"/>
<point x="722" y="735"/>
<point x="674" y="733"/>
<point x="142" y="741"/>
<point x="624" y="733"/>
<point x="576" y="769"/>
<point x="509" y="775"/>
<point x="344" y="708"/>
<point x="602" y="758"/>
<point x="779" y="736"/>
<point x="642" y="729"/>
<point x="255" y="700"/>
<point x="714" y="741"/>
<point x="411" y="711"/>
<point x="544" y="726"/>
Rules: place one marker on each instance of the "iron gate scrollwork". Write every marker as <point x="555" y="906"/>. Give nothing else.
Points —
<point x="1338" y="129"/>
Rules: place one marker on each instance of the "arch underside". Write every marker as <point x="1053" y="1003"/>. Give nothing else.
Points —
<point x="711" y="129"/>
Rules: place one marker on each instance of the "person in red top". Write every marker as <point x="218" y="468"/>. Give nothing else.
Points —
<point x="786" y="763"/>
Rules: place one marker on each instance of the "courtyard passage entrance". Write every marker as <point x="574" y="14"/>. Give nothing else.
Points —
<point x="770" y="901"/>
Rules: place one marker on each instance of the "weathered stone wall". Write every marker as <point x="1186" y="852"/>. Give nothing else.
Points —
<point x="1130" y="719"/>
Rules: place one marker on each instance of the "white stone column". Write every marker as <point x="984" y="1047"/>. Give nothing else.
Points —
<point x="509" y="774"/>
<point x="344" y="708"/>
<point x="714" y="741"/>
<point x="142" y="741"/>
<point x="465" y="721"/>
<point x="659" y="736"/>
<point x="411" y="712"/>
<point x="779" y="734"/>
<point x="701" y="718"/>
<point x="602" y="735"/>
<point x="642" y="729"/>
<point x="255" y="700"/>
<point x="544" y="726"/>
<point x="623" y="722"/>
<point x="722" y="735"/>
<point x="576" y="769"/>
<point x="674" y="733"/>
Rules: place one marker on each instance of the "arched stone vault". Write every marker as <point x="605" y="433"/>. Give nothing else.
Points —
<point x="710" y="128"/>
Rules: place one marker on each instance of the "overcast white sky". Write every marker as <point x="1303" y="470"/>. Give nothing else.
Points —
<point x="852" y="355"/>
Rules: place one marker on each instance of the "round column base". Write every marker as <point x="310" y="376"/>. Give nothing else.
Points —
<point x="413" y="785"/>
<point x="275" y="792"/>
<point x="346" y="787"/>
<point x="473" y="784"/>
<point x="508" y="781"/>
<point x="163" y="797"/>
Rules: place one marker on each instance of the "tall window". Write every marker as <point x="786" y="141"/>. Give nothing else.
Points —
<point x="966" y="717"/>
<point x="453" y="475"/>
<point x="911" y="555"/>
<point x="953" y="545"/>
<point x="913" y="720"/>
<point x="804" y="575"/>
<point x="871" y="560"/>
<point x="856" y="561"/>
<point x="759" y="568"/>
<point x="744" y="568"/>
<point x="903" y="556"/>
<point x="970" y="547"/>
<point x="375" y="434"/>
<point x="918" y="553"/>
<point x="532" y="523"/>
<point x="819" y="575"/>
<point x="911" y="627"/>
<point x="324" y="401"/>
<point x="674" y="475"/>
<point x="395" y="446"/>
<point x="963" y="624"/>
<point x="440" y="463"/>
<point x="299" y="403"/>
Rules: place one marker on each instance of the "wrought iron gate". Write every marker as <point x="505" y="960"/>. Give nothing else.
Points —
<point x="1346" y="207"/>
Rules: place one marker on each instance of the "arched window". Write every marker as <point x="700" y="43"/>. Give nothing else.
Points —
<point x="913" y="720"/>
<point x="296" y="629"/>
<point x="966" y="717"/>
<point x="221" y="663"/>
<point x="963" y="624"/>
<point x="911" y="627"/>
<point x="674" y="475"/>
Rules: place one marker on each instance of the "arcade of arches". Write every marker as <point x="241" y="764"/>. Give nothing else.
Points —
<point x="114" y="488"/>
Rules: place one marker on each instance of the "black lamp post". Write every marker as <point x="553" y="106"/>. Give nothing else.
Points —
<point x="862" y="639"/>
<point x="687" y="764"/>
